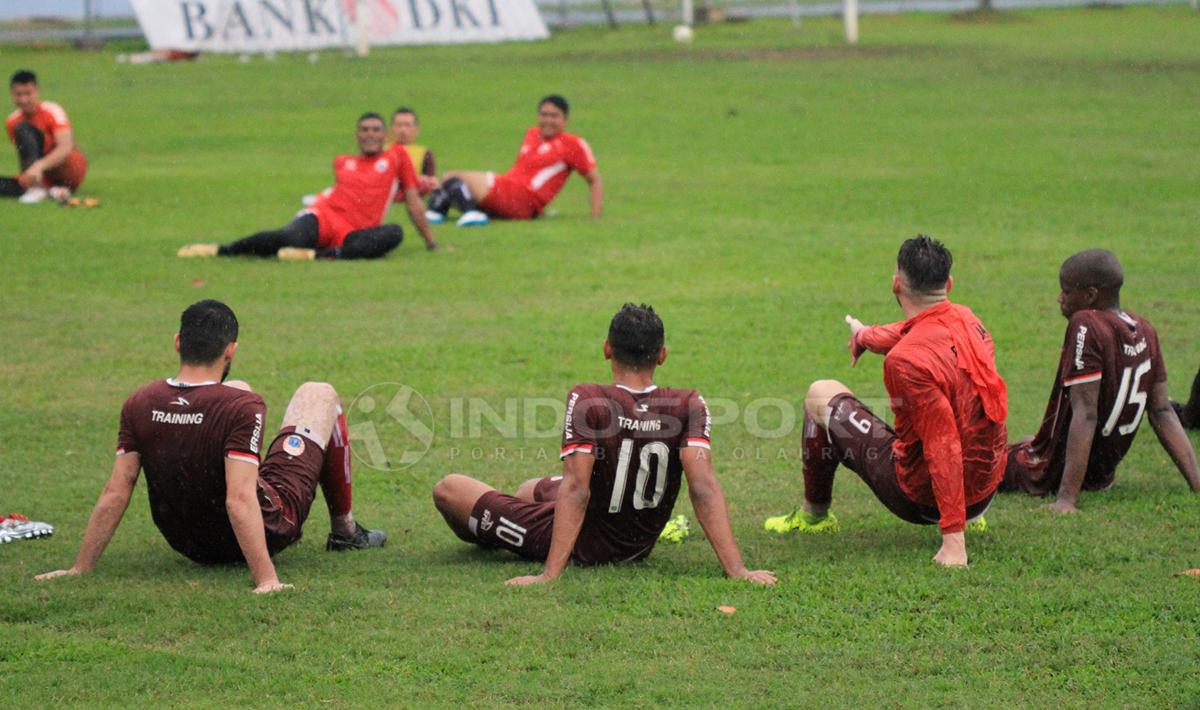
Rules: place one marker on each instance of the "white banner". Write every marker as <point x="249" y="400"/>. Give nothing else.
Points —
<point x="283" y="25"/>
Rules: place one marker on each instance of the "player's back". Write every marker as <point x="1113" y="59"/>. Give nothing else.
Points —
<point x="636" y="437"/>
<point x="183" y="434"/>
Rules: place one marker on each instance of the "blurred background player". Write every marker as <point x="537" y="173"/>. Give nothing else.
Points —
<point x="943" y="461"/>
<point x="1189" y="413"/>
<point x="198" y="437"/>
<point x="545" y="161"/>
<point x="1110" y="373"/>
<point x="405" y="129"/>
<point x="345" y="221"/>
<point x="51" y="163"/>
<point x="624" y="448"/>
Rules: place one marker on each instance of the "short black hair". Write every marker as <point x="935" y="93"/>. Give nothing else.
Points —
<point x="925" y="263"/>
<point x="370" y="115"/>
<point x="22" y="76"/>
<point x="205" y="328"/>
<point x="558" y="101"/>
<point x="636" y="336"/>
<point x="1094" y="268"/>
<point x="405" y="109"/>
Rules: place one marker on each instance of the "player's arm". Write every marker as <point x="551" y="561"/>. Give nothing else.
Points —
<point x="106" y="515"/>
<point x="245" y="516"/>
<point x="64" y="143"/>
<point x="416" y="212"/>
<point x="570" y="508"/>
<point x="708" y="500"/>
<point x="1085" y="402"/>
<point x="933" y="420"/>
<point x="878" y="339"/>
<point x="595" y="192"/>
<point x="1171" y="435"/>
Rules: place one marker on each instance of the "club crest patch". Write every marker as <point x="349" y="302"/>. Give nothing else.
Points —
<point x="381" y="165"/>
<point x="293" y="445"/>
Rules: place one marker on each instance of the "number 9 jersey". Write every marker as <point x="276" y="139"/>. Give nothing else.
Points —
<point x="636" y="437"/>
<point x="1120" y="351"/>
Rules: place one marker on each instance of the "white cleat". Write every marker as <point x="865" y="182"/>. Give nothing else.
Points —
<point x="433" y="217"/>
<point x="34" y="195"/>
<point x="474" y="218"/>
<point x="60" y="194"/>
<point x="15" y="527"/>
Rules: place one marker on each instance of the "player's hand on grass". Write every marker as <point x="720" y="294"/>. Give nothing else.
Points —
<point x="757" y="576"/>
<point x="33" y="175"/>
<point x="527" y="580"/>
<point x="273" y="586"/>
<point x="58" y="573"/>
<point x="856" y="350"/>
<point x="1062" y="506"/>
<point x="953" y="552"/>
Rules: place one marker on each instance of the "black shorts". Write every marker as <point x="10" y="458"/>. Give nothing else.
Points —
<point x="863" y="443"/>
<point x="287" y="485"/>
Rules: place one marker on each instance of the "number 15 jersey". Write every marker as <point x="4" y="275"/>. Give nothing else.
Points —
<point x="1120" y="351"/>
<point x="636" y="437"/>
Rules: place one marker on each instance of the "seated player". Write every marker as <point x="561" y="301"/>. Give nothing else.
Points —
<point x="943" y="461"/>
<point x="198" y="439"/>
<point x="624" y="448"/>
<point x="547" y="156"/>
<point x="1110" y="373"/>
<point x="343" y="222"/>
<point x="405" y="129"/>
<point x="1189" y="414"/>
<point x="51" y="164"/>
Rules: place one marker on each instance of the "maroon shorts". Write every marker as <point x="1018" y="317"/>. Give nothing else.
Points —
<point x="863" y="443"/>
<point x="501" y="520"/>
<point x="508" y="199"/>
<point x="287" y="486"/>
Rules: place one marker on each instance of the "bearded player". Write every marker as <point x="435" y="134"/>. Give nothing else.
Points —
<point x="198" y="439"/>
<point x="625" y="446"/>
<point x="944" y="459"/>
<point x="545" y="161"/>
<point x="1110" y="373"/>
<point x="50" y="161"/>
<point x="345" y="221"/>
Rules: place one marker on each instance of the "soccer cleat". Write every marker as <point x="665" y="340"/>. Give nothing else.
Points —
<point x="33" y="195"/>
<point x="196" y="250"/>
<point x="60" y="194"/>
<point x="474" y="218"/>
<point x="360" y="540"/>
<point x="800" y="521"/>
<point x="434" y="217"/>
<point x="296" y="254"/>
<point x="676" y="530"/>
<point x="977" y="525"/>
<point x="15" y="526"/>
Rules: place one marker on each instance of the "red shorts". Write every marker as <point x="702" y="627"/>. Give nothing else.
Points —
<point x="508" y="199"/>
<point x="71" y="173"/>
<point x="287" y="486"/>
<point x="332" y="228"/>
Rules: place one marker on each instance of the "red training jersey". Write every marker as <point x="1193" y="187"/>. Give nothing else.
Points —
<point x="948" y="451"/>
<point x="1120" y="351"/>
<point x="363" y="188"/>
<point x="48" y="117"/>
<point x="543" y="166"/>
<point x="636" y="437"/>
<point x="183" y="434"/>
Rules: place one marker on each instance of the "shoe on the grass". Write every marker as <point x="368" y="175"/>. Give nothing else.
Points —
<point x="360" y="540"/>
<point x="15" y="526"/>
<point x="676" y="530"/>
<point x="802" y="522"/>
<point x="977" y="525"/>
<point x="33" y="195"/>
<point x="60" y="194"/>
<point x="434" y="217"/>
<point x="473" y="218"/>
<point x="296" y="254"/>
<point x="197" y="250"/>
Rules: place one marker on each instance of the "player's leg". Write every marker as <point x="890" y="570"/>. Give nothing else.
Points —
<point x="71" y="173"/>
<point x="31" y="144"/>
<point x="371" y="243"/>
<point x="9" y="187"/>
<point x="539" y="490"/>
<point x="301" y="233"/>
<point x="462" y="190"/>
<point x="455" y="497"/>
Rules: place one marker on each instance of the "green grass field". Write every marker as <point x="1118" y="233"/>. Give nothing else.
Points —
<point x="759" y="183"/>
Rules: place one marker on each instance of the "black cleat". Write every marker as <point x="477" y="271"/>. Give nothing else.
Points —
<point x="360" y="540"/>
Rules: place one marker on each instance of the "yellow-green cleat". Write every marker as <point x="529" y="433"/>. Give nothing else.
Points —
<point x="676" y="530"/>
<point x="978" y="525"/>
<point x="800" y="521"/>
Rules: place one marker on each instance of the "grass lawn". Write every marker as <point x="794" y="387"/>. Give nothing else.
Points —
<point x="758" y="184"/>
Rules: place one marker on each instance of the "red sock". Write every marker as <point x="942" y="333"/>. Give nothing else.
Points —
<point x="335" y="473"/>
<point x="820" y="463"/>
